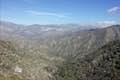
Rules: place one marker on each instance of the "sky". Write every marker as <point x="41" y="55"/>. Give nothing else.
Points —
<point x="60" y="11"/>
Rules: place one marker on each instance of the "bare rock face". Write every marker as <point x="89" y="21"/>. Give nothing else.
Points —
<point x="18" y="69"/>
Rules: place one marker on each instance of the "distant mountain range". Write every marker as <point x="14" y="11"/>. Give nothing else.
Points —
<point x="36" y="29"/>
<point x="85" y="41"/>
<point x="34" y="52"/>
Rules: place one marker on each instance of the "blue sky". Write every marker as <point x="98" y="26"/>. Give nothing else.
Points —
<point x="59" y="11"/>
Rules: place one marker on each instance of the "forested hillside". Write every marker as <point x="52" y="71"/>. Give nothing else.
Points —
<point x="102" y="64"/>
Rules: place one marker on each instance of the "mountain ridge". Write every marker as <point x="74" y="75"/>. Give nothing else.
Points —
<point x="38" y="50"/>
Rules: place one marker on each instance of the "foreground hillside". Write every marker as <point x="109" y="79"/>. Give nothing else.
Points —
<point x="8" y="61"/>
<point x="102" y="64"/>
<point x="25" y="64"/>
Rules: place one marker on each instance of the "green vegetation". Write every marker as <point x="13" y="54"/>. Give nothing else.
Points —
<point x="10" y="77"/>
<point x="103" y="64"/>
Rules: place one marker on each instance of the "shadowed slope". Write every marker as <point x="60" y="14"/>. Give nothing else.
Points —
<point x="103" y="64"/>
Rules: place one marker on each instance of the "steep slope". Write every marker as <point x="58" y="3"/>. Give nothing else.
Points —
<point x="102" y="64"/>
<point x="8" y="61"/>
<point x="8" y="55"/>
<point x="25" y="63"/>
<point x="85" y="41"/>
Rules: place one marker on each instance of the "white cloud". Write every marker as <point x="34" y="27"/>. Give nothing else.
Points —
<point x="36" y="13"/>
<point x="106" y="23"/>
<point x="113" y="10"/>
